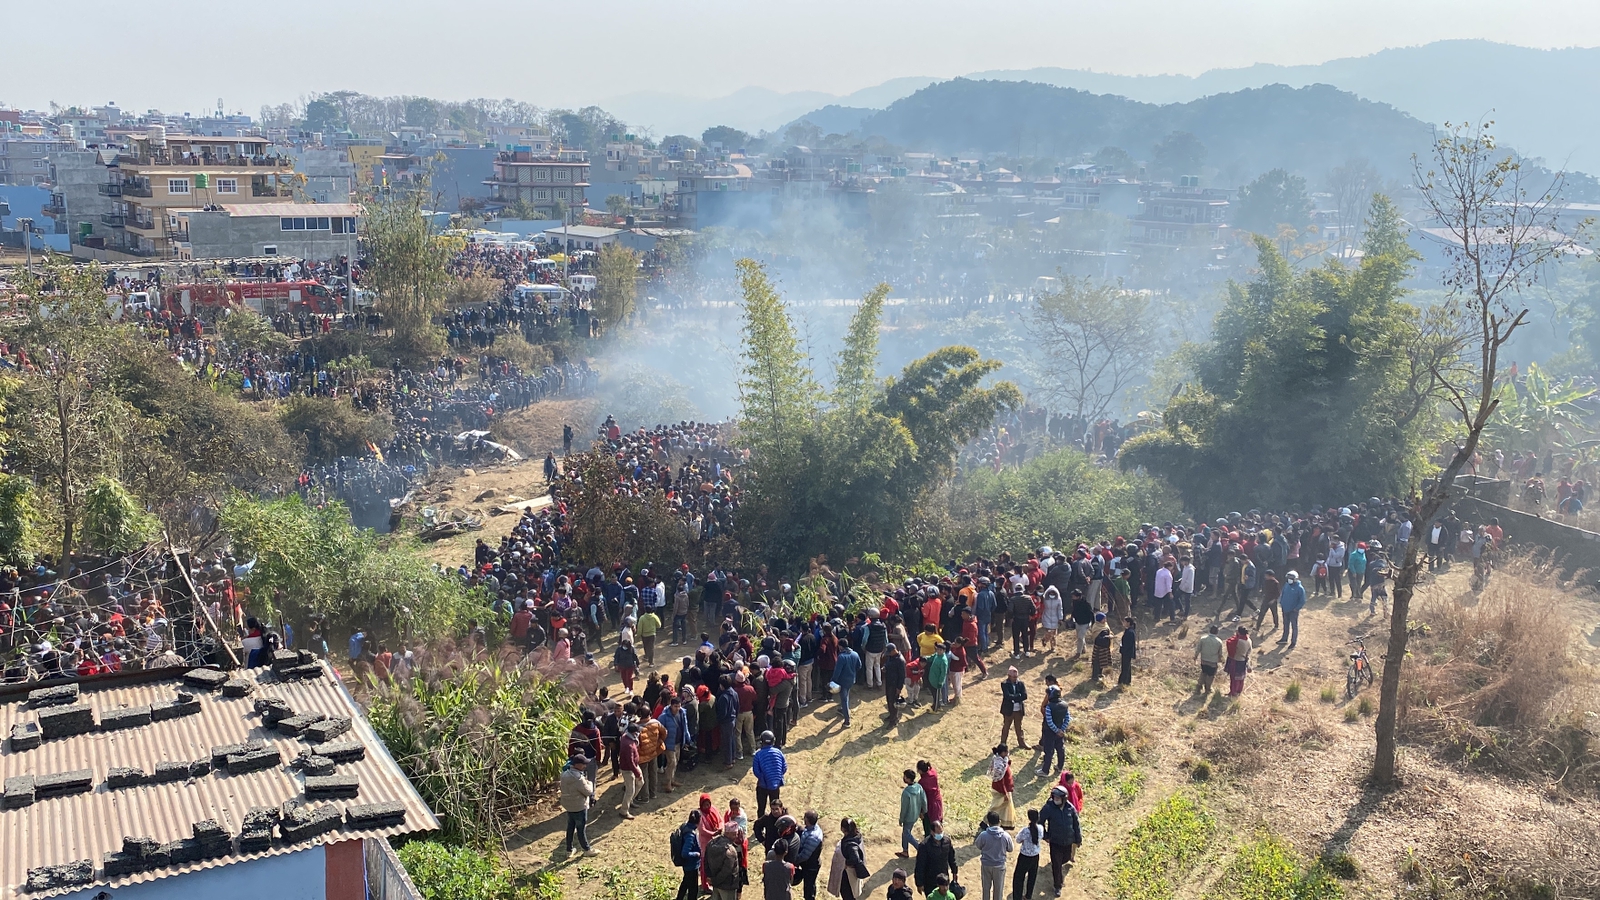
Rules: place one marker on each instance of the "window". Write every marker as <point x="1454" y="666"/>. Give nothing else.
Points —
<point x="322" y="223"/>
<point x="338" y="226"/>
<point x="350" y="226"/>
<point x="269" y="249"/>
<point x="299" y="224"/>
<point x="286" y="224"/>
<point x="227" y="185"/>
<point x="541" y="195"/>
<point x="541" y="175"/>
<point x="344" y="225"/>
<point x="177" y="185"/>
<point x="38" y="164"/>
<point x="563" y="175"/>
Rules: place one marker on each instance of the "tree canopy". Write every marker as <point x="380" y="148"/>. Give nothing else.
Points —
<point x="845" y="471"/>
<point x="1273" y="199"/>
<point x="1302" y="394"/>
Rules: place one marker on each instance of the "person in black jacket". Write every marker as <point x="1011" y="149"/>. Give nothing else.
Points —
<point x="1013" y="706"/>
<point x="855" y="859"/>
<point x="1061" y="832"/>
<point x="1128" y="650"/>
<point x="894" y="682"/>
<point x="936" y="856"/>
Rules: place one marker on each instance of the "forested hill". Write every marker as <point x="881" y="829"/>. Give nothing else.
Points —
<point x="1308" y="130"/>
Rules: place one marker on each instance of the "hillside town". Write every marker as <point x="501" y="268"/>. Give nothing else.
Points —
<point x="993" y="482"/>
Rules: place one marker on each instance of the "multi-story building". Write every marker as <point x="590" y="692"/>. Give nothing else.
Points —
<point x="548" y="183"/>
<point x="80" y="193"/>
<point x="161" y="176"/>
<point x="1182" y="215"/>
<point x="25" y="158"/>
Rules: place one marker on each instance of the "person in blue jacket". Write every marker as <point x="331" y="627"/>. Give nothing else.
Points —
<point x="845" y="672"/>
<point x="769" y="766"/>
<point x="1291" y="601"/>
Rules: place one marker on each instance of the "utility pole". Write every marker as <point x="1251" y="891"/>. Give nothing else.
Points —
<point x="27" y="243"/>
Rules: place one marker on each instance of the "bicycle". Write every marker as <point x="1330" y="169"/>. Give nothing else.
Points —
<point x="1357" y="670"/>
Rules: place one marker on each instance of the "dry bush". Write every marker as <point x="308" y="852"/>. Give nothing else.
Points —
<point x="474" y="289"/>
<point x="1499" y="683"/>
<point x="528" y="357"/>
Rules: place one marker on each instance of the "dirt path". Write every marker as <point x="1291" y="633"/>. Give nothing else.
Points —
<point x="1294" y="768"/>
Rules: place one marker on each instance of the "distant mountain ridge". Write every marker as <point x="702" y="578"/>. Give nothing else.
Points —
<point x="1309" y="130"/>
<point x="1539" y="99"/>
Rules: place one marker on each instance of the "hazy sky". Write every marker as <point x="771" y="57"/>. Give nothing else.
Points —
<point x="184" y="56"/>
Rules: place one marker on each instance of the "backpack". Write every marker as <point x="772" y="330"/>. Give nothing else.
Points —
<point x="675" y="844"/>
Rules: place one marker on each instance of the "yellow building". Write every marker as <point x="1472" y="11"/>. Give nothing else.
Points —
<point x="162" y="177"/>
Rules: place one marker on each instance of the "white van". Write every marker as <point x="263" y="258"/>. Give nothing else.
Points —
<point x="525" y="294"/>
<point x="583" y="284"/>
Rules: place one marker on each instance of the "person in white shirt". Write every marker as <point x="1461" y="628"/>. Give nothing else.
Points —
<point x="1186" y="579"/>
<point x="1163" y="592"/>
<point x="1027" y="872"/>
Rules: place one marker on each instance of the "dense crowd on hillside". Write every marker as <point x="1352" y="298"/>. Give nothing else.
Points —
<point x="757" y="657"/>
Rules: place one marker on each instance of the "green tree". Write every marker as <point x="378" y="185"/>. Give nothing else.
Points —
<point x="1115" y="158"/>
<point x="729" y="137"/>
<point x="113" y="521"/>
<point x="619" y="205"/>
<point x="75" y="423"/>
<point x="616" y="284"/>
<point x="408" y="274"/>
<point x="323" y="115"/>
<point x="19" y="520"/>
<point x="846" y="472"/>
<point x="1179" y="153"/>
<point x="249" y="330"/>
<point x="1275" y="198"/>
<point x="1301" y="394"/>
<point x="332" y="427"/>
<point x="319" y="562"/>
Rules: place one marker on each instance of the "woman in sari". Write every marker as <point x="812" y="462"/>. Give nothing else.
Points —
<point x="1100" y="659"/>
<point x="1238" y="650"/>
<point x="710" y="826"/>
<point x="1002" y="785"/>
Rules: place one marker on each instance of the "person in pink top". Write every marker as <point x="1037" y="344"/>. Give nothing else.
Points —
<point x="1074" y="790"/>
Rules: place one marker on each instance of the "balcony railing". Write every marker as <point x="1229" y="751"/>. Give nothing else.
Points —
<point x="269" y="190"/>
<point x="141" y="224"/>
<point x="55" y="208"/>
<point x="135" y="189"/>
<point x="111" y="190"/>
<point x="201" y="160"/>
<point x="112" y="219"/>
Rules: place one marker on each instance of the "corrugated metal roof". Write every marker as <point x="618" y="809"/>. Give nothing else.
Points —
<point x="87" y="826"/>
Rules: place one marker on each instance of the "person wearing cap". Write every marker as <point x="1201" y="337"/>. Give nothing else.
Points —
<point x="1291" y="600"/>
<point x="769" y="766"/>
<point x="1062" y="833"/>
<point x="876" y="638"/>
<point x="1013" y="706"/>
<point x="894" y="682"/>
<point x="1053" y="737"/>
<point x="576" y="795"/>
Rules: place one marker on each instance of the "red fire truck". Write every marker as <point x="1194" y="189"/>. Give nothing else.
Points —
<point x="265" y="297"/>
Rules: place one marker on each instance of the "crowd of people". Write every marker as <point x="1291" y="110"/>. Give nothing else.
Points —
<point x="753" y="663"/>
